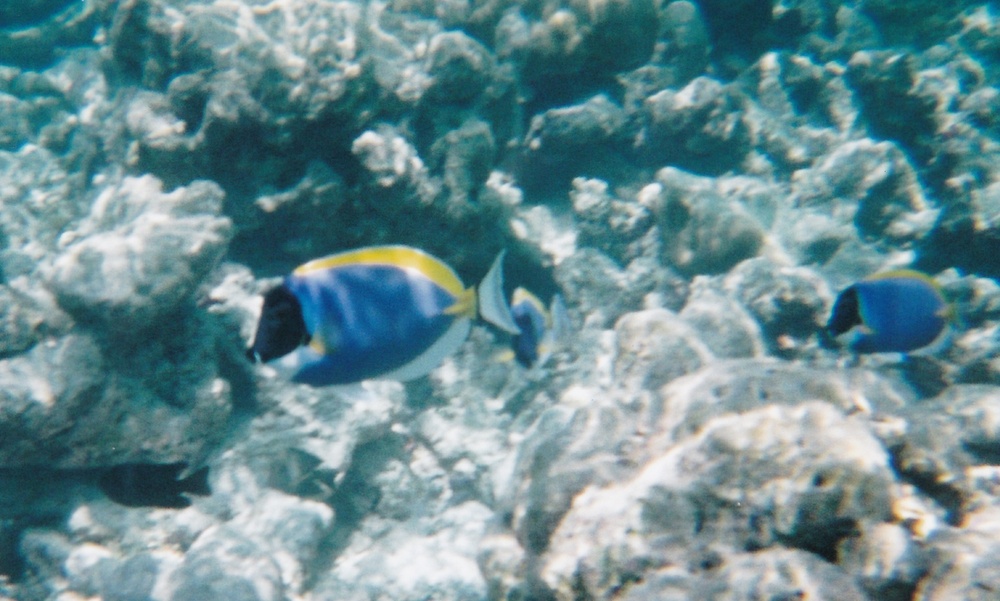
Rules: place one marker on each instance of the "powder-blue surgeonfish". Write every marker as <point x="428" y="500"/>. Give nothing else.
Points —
<point x="385" y="312"/>
<point x="896" y="311"/>
<point x="540" y="329"/>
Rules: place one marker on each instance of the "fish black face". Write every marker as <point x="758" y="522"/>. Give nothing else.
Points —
<point x="845" y="313"/>
<point x="281" y="328"/>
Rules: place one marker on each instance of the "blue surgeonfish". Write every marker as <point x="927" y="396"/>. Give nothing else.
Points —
<point x="896" y="311"/>
<point x="386" y="312"/>
<point x="540" y="330"/>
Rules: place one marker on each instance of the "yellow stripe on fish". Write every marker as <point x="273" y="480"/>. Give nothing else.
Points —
<point x="397" y="256"/>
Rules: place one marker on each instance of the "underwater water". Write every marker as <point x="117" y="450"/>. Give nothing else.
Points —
<point x="750" y="250"/>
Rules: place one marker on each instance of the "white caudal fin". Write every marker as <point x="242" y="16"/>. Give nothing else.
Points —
<point x="558" y="329"/>
<point x="493" y="305"/>
<point x="561" y="326"/>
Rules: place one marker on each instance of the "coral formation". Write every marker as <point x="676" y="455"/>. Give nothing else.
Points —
<point x="697" y="179"/>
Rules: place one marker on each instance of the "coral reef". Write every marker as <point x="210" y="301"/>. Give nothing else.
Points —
<point x="697" y="179"/>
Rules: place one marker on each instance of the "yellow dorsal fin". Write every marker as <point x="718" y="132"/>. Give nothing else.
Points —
<point x="403" y="257"/>
<point x="912" y="274"/>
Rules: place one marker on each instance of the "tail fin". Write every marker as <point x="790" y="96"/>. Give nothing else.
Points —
<point x="561" y="325"/>
<point x="197" y="483"/>
<point x="493" y="305"/>
<point x="557" y="332"/>
<point x="954" y="316"/>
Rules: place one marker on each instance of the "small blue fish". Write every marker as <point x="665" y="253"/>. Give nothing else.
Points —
<point x="896" y="311"/>
<point x="387" y="312"/>
<point x="540" y="330"/>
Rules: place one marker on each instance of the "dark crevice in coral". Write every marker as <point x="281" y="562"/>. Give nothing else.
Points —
<point x="944" y="494"/>
<point x="786" y="31"/>
<point x="11" y="563"/>
<point x="915" y="24"/>
<point x="355" y="498"/>
<point x="895" y="590"/>
<point x="873" y="216"/>
<point x="541" y="524"/>
<point x="140" y="47"/>
<point x="580" y="589"/>
<point x="956" y="242"/>
<point x="699" y="519"/>
<point x="536" y="589"/>
<point x="164" y="359"/>
<point x="805" y="96"/>
<point x="259" y="238"/>
<point x="545" y="178"/>
<point x="327" y="139"/>
<point x="978" y="371"/>
<point x="742" y="31"/>
<point x="822" y="250"/>
<point x="710" y="560"/>
<point x="16" y="352"/>
<point x="941" y="166"/>
<point x="302" y="474"/>
<point x="21" y="14"/>
<point x="235" y="370"/>
<point x="822" y="537"/>
<point x="927" y="376"/>
<point x="884" y="87"/>
<point x="34" y="35"/>
<point x="420" y="395"/>
<point x="189" y="98"/>
<point x="987" y="453"/>
<point x="33" y="497"/>
<point x="566" y="90"/>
